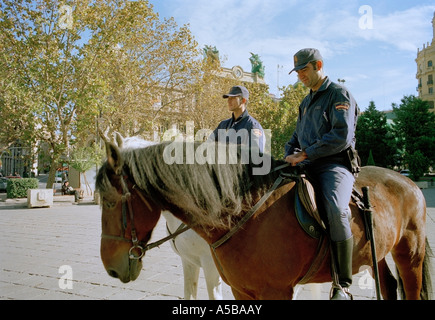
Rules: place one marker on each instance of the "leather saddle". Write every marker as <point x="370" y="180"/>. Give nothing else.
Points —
<point x="306" y="209"/>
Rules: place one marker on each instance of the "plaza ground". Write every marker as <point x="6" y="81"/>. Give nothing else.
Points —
<point x="41" y="248"/>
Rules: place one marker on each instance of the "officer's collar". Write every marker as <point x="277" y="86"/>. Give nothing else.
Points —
<point x="242" y="116"/>
<point x="323" y="87"/>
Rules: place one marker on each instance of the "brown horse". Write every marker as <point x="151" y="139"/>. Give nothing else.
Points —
<point x="271" y="253"/>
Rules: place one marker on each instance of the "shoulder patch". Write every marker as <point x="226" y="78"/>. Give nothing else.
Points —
<point x="342" y="106"/>
<point x="257" y="132"/>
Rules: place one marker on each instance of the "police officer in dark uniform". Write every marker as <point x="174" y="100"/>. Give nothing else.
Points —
<point x="324" y="141"/>
<point x="241" y="128"/>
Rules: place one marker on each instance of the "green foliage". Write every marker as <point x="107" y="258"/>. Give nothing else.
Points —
<point x="17" y="188"/>
<point x="417" y="163"/>
<point x="65" y="66"/>
<point x="370" y="160"/>
<point x="415" y="127"/>
<point x="374" y="135"/>
<point x="279" y="117"/>
<point x="82" y="159"/>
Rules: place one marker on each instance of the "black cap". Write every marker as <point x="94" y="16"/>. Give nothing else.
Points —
<point x="305" y="56"/>
<point x="237" y="91"/>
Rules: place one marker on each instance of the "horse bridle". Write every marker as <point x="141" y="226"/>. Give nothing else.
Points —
<point x="126" y="205"/>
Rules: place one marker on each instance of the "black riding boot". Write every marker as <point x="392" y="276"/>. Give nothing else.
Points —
<point x="342" y="255"/>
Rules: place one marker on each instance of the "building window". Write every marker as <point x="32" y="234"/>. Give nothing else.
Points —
<point x="430" y="79"/>
<point x="431" y="90"/>
<point x="429" y="63"/>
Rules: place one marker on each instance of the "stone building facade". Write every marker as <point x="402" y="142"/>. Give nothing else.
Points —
<point x="426" y="70"/>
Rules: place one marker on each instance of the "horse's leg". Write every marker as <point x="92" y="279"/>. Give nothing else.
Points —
<point x="191" y="275"/>
<point x="212" y="279"/>
<point x="387" y="281"/>
<point x="409" y="256"/>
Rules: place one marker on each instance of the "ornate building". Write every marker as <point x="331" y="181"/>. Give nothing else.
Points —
<point x="256" y="75"/>
<point x="426" y="71"/>
<point x="238" y="73"/>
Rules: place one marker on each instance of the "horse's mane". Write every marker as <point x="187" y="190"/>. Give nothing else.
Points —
<point x="211" y="194"/>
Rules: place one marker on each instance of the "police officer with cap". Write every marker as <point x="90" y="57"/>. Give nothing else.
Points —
<point x="324" y="142"/>
<point x="241" y="128"/>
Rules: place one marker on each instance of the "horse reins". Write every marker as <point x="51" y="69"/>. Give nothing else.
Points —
<point x="126" y="206"/>
<point x="139" y="245"/>
<point x="282" y="176"/>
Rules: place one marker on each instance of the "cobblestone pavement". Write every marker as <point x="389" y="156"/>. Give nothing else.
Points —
<point x="41" y="248"/>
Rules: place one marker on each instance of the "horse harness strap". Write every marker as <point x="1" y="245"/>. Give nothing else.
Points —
<point x="247" y="216"/>
<point x="319" y="257"/>
<point x="126" y="198"/>
<point x="323" y="244"/>
<point x="182" y="227"/>
<point x="282" y="176"/>
<point x="136" y="244"/>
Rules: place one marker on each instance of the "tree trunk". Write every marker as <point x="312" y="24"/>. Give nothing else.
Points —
<point x="51" y="175"/>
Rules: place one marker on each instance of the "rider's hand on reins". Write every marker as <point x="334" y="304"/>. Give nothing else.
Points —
<point x="296" y="158"/>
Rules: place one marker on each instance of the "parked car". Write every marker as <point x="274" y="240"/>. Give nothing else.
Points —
<point x="58" y="177"/>
<point x="405" y="172"/>
<point x="3" y="183"/>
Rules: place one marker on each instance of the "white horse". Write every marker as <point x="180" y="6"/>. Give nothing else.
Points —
<point x="195" y="254"/>
<point x="194" y="251"/>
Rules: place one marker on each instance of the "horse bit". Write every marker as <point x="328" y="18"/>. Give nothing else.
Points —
<point x="126" y="205"/>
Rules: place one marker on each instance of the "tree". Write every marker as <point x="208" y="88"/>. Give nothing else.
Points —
<point x="65" y="65"/>
<point x="16" y="105"/>
<point x="417" y="164"/>
<point x="149" y="66"/>
<point x="415" y="126"/>
<point x="84" y="158"/>
<point x="373" y="134"/>
<point x="370" y="160"/>
<point x="281" y="117"/>
<point x="204" y="104"/>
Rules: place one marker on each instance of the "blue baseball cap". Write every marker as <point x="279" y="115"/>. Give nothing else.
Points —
<point x="305" y="56"/>
<point x="237" y="91"/>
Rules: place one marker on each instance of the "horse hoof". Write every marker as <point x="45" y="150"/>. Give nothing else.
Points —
<point x="341" y="294"/>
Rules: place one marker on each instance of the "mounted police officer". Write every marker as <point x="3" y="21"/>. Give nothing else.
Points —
<point x="324" y="142"/>
<point x="241" y="128"/>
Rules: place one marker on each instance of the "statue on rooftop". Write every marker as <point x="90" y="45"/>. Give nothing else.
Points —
<point x="211" y="53"/>
<point x="256" y="65"/>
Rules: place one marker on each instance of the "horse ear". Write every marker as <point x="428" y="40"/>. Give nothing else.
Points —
<point x="119" y="139"/>
<point x="103" y="135"/>
<point x="114" y="158"/>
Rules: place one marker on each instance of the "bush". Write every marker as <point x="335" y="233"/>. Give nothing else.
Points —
<point x="17" y="188"/>
<point x="418" y="164"/>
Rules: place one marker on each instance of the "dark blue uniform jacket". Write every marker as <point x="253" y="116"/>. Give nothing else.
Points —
<point x="245" y="130"/>
<point x="326" y="123"/>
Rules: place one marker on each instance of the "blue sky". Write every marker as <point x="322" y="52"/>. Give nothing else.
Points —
<point x="376" y="60"/>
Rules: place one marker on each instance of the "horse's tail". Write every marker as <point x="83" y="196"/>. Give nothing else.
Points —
<point x="426" y="286"/>
<point x="426" y="289"/>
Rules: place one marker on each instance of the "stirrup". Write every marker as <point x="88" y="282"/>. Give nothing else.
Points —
<point x="342" y="294"/>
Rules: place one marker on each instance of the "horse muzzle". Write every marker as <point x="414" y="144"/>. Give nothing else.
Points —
<point x="126" y="273"/>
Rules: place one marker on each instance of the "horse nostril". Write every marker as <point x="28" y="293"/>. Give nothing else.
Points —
<point x="112" y="273"/>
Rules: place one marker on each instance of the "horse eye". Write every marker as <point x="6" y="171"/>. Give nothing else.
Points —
<point x="109" y="204"/>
